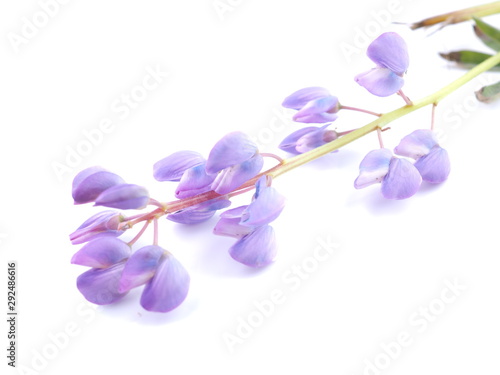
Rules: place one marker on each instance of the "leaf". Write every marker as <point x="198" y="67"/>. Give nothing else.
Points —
<point x="488" y="34"/>
<point x="467" y="59"/>
<point x="488" y="94"/>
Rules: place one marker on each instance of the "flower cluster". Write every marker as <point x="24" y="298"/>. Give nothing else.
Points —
<point x="235" y="166"/>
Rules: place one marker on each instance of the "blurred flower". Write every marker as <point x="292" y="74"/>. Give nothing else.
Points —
<point x="398" y="177"/>
<point x="389" y="52"/>
<point x="314" y="105"/>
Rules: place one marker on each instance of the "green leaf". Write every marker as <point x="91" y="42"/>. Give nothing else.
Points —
<point x="467" y="59"/>
<point x="488" y="34"/>
<point x="488" y="94"/>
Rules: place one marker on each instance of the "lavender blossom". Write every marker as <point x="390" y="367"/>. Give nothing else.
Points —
<point x="390" y="53"/>
<point x="105" y="223"/>
<point x="307" y="139"/>
<point x="102" y="253"/>
<point x="173" y="166"/>
<point x="200" y="212"/>
<point x="125" y="196"/>
<point x="90" y="182"/>
<point x="100" y="285"/>
<point x="314" y="105"/>
<point x="432" y="160"/>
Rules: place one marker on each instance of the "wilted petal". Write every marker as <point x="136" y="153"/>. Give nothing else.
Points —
<point x="194" y="181"/>
<point x="380" y="81"/>
<point x="235" y="176"/>
<point x="402" y="181"/>
<point x="435" y="166"/>
<point x="417" y="144"/>
<point x="301" y="97"/>
<point x="314" y="139"/>
<point x="232" y="149"/>
<point x="173" y="166"/>
<point x="373" y="168"/>
<point x="100" y="285"/>
<point x="126" y="196"/>
<point x="265" y="208"/>
<point x="140" y="267"/>
<point x="102" y="224"/>
<point x="102" y="253"/>
<point x="318" y="111"/>
<point x="168" y="288"/>
<point x="89" y="183"/>
<point x="256" y="249"/>
<point x="290" y="142"/>
<point x="389" y="50"/>
<point x="200" y="212"/>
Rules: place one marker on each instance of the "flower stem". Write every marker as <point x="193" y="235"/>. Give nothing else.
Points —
<point x="360" y="110"/>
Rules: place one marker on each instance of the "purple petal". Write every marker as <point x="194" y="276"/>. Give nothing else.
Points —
<point x="435" y="166"/>
<point x="380" y="81"/>
<point x="229" y="223"/>
<point x="194" y="181"/>
<point x="102" y="253"/>
<point x="173" y="166"/>
<point x="168" y="288"/>
<point x="102" y="224"/>
<point x="417" y="144"/>
<point x="232" y="149"/>
<point x="373" y="168"/>
<point x="199" y="213"/>
<point x="257" y="249"/>
<point x="140" y="267"/>
<point x="126" y="196"/>
<point x="318" y="111"/>
<point x="100" y="285"/>
<point x="301" y="97"/>
<point x="389" y="50"/>
<point x="315" y="139"/>
<point x="288" y="144"/>
<point x="264" y="209"/>
<point x="235" y="176"/>
<point x="234" y="212"/>
<point x="402" y="181"/>
<point x="89" y="183"/>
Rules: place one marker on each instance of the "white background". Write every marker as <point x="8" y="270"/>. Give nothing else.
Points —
<point x="225" y="73"/>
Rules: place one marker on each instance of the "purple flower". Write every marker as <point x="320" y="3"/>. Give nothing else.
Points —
<point x="432" y="160"/>
<point x="390" y="53"/>
<point x="102" y="224"/>
<point x="200" y="212"/>
<point x="307" y="139"/>
<point x="194" y="181"/>
<point x="399" y="178"/>
<point x="314" y="105"/>
<point x="102" y="253"/>
<point x="256" y="245"/>
<point x="173" y="166"/>
<point x="125" y="196"/>
<point x="90" y="182"/>
<point x="100" y="285"/>
<point x="236" y="160"/>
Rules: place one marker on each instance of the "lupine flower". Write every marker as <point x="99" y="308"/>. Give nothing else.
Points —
<point x="390" y="53"/>
<point x="167" y="281"/>
<point x="256" y="245"/>
<point x="102" y="224"/>
<point x="194" y="181"/>
<point x="89" y="183"/>
<point x="307" y="139"/>
<point x="236" y="160"/>
<point x="399" y="178"/>
<point x="173" y="166"/>
<point x="102" y="253"/>
<point x="100" y="285"/>
<point x="432" y="160"/>
<point x="124" y="196"/>
<point x="200" y="212"/>
<point x="314" y="105"/>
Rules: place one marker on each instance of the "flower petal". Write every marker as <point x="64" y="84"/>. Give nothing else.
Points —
<point x="288" y="144"/>
<point x="416" y="144"/>
<point x="168" y="288"/>
<point x="173" y="166"/>
<point x="264" y="209"/>
<point x="402" y="181"/>
<point x="102" y="224"/>
<point x="102" y="253"/>
<point x="232" y="149"/>
<point x="231" y="227"/>
<point x="100" y="285"/>
<point x="126" y="196"/>
<point x="194" y="181"/>
<point x="373" y="168"/>
<point x="301" y="97"/>
<point x="389" y="50"/>
<point x="199" y="213"/>
<point x="435" y="166"/>
<point x="380" y="81"/>
<point x="89" y="183"/>
<point x="235" y="176"/>
<point x="319" y="110"/>
<point x="140" y="267"/>
<point x="257" y="249"/>
<point x="314" y="139"/>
